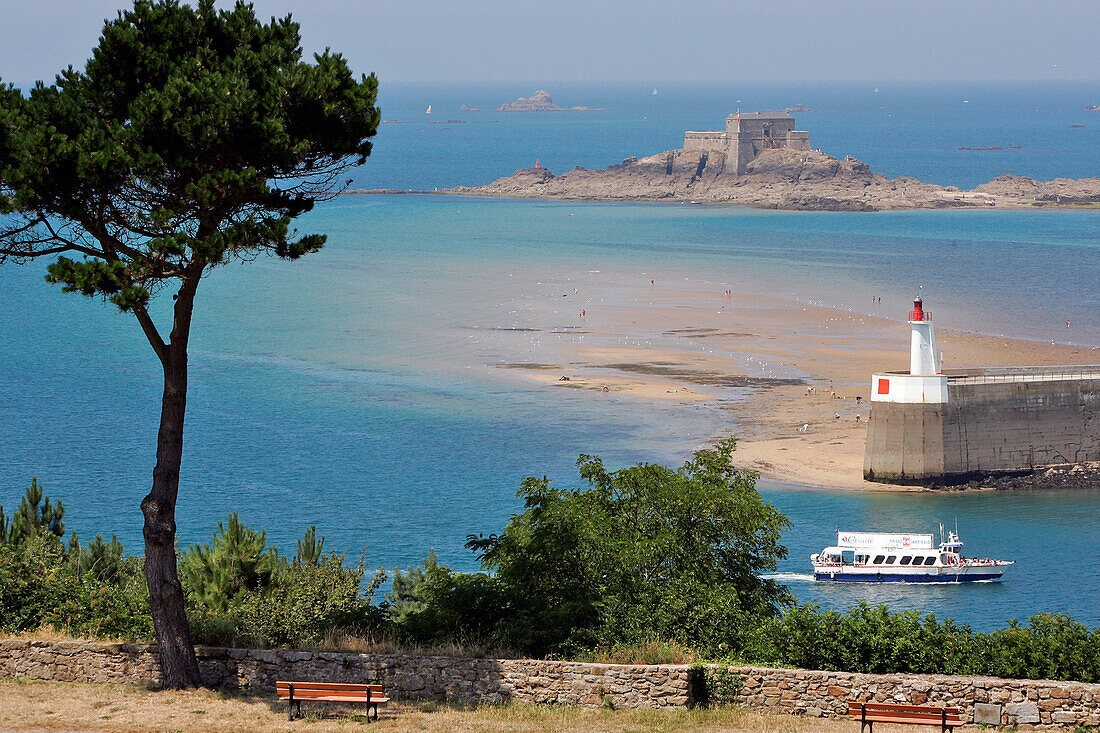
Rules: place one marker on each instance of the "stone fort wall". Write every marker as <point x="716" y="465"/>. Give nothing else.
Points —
<point x="746" y="135"/>
<point x="789" y="691"/>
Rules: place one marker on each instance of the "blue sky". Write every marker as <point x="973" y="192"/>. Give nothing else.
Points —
<point x="639" y="41"/>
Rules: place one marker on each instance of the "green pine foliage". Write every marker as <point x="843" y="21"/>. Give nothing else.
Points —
<point x="241" y="592"/>
<point x="310" y="549"/>
<point x="86" y="591"/>
<point x="35" y="513"/>
<point x="236" y="563"/>
<point x="192" y="138"/>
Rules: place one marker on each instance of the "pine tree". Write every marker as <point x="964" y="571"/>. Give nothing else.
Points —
<point x="192" y="138"/>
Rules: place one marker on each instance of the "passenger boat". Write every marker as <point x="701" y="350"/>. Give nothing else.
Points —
<point x="905" y="558"/>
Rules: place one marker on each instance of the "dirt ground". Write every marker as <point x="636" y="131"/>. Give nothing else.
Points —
<point x="79" y="707"/>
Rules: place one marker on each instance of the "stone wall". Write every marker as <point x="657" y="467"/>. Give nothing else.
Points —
<point x="981" y="699"/>
<point x="471" y="680"/>
<point x="709" y="140"/>
<point x="788" y="691"/>
<point x="984" y="429"/>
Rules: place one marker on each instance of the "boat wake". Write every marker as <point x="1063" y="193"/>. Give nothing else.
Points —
<point x="789" y="577"/>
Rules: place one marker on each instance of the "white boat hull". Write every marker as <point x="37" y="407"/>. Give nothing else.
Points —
<point x="897" y="575"/>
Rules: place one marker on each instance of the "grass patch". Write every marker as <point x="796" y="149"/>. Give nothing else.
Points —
<point x="78" y="706"/>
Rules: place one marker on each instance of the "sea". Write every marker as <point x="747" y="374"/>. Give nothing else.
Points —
<point x="365" y="389"/>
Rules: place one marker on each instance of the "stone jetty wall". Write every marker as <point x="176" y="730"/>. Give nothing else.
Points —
<point x="788" y="691"/>
<point x="987" y="428"/>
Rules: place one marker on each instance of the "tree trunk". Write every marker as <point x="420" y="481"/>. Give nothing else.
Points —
<point x="179" y="668"/>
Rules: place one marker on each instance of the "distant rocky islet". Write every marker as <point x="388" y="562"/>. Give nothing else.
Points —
<point x="776" y="176"/>
<point x="541" y="101"/>
<point x="779" y="179"/>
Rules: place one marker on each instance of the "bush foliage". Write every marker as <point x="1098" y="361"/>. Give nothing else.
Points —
<point x="646" y="564"/>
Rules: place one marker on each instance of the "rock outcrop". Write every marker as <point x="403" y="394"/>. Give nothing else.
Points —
<point x="777" y="179"/>
<point x="540" y="101"/>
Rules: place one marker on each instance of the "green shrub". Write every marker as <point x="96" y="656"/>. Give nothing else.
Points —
<point x="309" y="601"/>
<point x="432" y="604"/>
<point x="31" y="582"/>
<point x="720" y="685"/>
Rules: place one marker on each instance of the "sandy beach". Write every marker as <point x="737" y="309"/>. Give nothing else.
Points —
<point x="788" y="374"/>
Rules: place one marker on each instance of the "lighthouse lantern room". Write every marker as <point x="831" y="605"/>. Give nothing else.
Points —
<point x="924" y="381"/>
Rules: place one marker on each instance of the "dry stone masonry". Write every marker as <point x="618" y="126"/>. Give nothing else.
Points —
<point x="788" y="691"/>
<point x="826" y="694"/>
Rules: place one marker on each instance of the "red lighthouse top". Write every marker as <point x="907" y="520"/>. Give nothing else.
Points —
<point x="919" y="313"/>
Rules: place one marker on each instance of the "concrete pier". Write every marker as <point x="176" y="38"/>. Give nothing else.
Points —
<point x="992" y="421"/>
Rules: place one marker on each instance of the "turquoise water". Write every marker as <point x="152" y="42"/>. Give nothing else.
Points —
<point x="900" y="130"/>
<point x="359" y="389"/>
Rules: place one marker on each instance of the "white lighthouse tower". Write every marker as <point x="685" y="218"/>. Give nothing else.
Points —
<point x="922" y="354"/>
<point x="923" y="382"/>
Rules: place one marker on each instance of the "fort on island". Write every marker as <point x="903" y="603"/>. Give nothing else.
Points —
<point x="746" y="135"/>
<point x="934" y="426"/>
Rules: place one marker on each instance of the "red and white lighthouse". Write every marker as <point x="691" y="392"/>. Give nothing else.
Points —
<point x="924" y="382"/>
<point x="922" y="351"/>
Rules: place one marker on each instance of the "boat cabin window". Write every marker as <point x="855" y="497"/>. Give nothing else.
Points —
<point x="847" y="556"/>
<point x="862" y="559"/>
<point x="890" y="560"/>
<point x="945" y="558"/>
<point x="878" y="559"/>
<point x="905" y="559"/>
<point x="930" y="560"/>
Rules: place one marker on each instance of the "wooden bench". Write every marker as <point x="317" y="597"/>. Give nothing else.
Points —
<point x="869" y="713"/>
<point x="295" y="693"/>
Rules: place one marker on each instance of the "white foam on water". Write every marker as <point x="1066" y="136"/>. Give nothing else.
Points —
<point x="789" y="577"/>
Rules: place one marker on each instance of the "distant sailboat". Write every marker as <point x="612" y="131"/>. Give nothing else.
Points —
<point x="654" y="90"/>
<point x="428" y="111"/>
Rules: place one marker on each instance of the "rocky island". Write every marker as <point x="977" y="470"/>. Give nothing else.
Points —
<point x="540" y="101"/>
<point x="760" y="160"/>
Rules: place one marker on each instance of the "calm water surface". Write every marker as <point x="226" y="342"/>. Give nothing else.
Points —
<point x="355" y="390"/>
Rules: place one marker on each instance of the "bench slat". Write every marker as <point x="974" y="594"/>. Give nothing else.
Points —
<point x="357" y="686"/>
<point x="905" y="714"/>
<point x="908" y="718"/>
<point x="333" y="698"/>
<point x="951" y="722"/>
<point x="888" y="707"/>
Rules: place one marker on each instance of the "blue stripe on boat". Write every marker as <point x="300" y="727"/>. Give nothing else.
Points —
<point x="898" y="578"/>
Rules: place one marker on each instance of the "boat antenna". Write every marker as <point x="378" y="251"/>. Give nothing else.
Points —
<point x="941" y="533"/>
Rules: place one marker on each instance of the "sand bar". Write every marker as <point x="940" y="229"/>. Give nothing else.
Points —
<point x="758" y="357"/>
